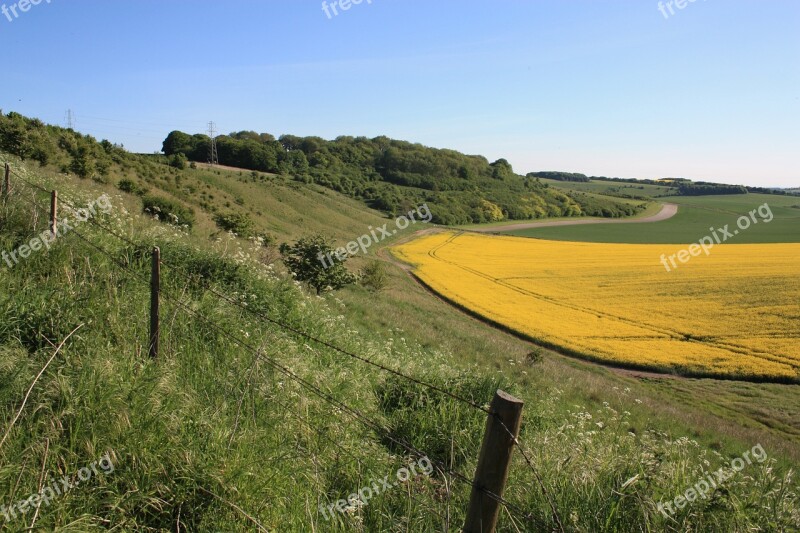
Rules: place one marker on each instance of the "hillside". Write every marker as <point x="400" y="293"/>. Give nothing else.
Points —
<point x="257" y="415"/>
<point x="393" y="176"/>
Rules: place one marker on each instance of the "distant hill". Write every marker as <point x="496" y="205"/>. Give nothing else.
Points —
<point x="394" y="176"/>
<point x="683" y="186"/>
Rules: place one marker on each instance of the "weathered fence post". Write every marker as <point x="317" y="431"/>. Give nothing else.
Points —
<point x="54" y="212"/>
<point x="155" y="287"/>
<point x="494" y="462"/>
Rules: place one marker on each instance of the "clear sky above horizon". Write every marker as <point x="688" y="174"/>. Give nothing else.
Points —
<point x="711" y="92"/>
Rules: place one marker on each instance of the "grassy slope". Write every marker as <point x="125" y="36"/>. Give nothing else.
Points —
<point x="279" y="206"/>
<point x="404" y="316"/>
<point x="174" y="427"/>
<point x="290" y="209"/>
<point x="695" y="216"/>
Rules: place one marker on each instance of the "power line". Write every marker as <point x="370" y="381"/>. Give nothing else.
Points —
<point x="145" y="123"/>
<point x="70" y="120"/>
<point x="94" y="126"/>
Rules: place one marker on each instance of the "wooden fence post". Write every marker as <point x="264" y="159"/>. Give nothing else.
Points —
<point x="155" y="287"/>
<point x="494" y="462"/>
<point x="7" y="183"/>
<point x="54" y="212"/>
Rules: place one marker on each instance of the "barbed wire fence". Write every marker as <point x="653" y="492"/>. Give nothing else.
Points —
<point x="493" y="465"/>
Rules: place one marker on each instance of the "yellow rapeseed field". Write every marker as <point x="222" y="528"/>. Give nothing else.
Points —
<point x="735" y="313"/>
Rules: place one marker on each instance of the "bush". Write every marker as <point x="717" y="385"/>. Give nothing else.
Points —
<point x="168" y="211"/>
<point x="239" y="223"/>
<point x="374" y="276"/>
<point x="267" y="240"/>
<point x="535" y="356"/>
<point x="178" y="161"/>
<point x="130" y="186"/>
<point x="83" y="164"/>
<point x="197" y="267"/>
<point x="304" y="259"/>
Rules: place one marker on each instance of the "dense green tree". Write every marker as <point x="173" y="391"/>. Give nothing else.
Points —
<point x="501" y="169"/>
<point x="83" y="163"/>
<point x="313" y="260"/>
<point x="178" y="142"/>
<point x="294" y="163"/>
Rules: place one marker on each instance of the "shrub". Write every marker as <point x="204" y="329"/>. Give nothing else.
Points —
<point x="130" y="186"/>
<point x="178" y="161"/>
<point x="167" y="210"/>
<point x="267" y="240"/>
<point x="239" y="223"/>
<point x="304" y="261"/>
<point x="83" y="164"/>
<point x="197" y="267"/>
<point x="374" y="276"/>
<point x="535" y="356"/>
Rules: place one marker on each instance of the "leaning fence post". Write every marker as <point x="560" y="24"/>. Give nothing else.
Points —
<point x="155" y="287"/>
<point x="7" y="183"/>
<point x="491" y="474"/>
<point x="54" y="212"/>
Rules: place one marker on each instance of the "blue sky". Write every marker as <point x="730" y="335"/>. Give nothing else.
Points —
<point x="607" y="88"/>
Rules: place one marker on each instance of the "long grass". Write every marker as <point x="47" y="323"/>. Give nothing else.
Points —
<point x="213" y="437"/>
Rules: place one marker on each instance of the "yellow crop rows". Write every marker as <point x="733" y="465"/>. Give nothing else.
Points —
<point x="735" y="313"/>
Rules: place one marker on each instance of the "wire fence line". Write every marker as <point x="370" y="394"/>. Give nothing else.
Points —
<point x="354" y="413"/>
<point x="292" y="329"/>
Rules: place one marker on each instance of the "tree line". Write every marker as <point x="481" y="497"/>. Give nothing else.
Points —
<point x="395" y="176"/>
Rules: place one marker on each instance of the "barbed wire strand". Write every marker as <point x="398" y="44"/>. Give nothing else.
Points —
<point x="340" y="448"/>
<point x="318" y="392"/>
<point x="292" y="329"/>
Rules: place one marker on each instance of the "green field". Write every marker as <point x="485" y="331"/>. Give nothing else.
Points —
<point x="696" y="215"/>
